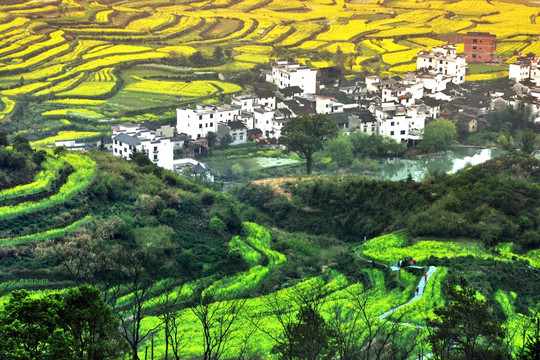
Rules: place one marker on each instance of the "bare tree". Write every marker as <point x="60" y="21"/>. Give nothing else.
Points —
<point x="168" y="310"/>
<point x="303" y="329"/>
<point x="361" y="334"/>
<point x="139" y="273"/>
<point x="219" y="322"/>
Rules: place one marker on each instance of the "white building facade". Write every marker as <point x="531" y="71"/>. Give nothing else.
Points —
<point x="526" y="68"/>
<point x="443" y="60"/>
<point x="287" y="73"/>
<point x="196" y="123"/>
<point x="129" y="138"/>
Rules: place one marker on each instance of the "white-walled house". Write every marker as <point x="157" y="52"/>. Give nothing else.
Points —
<point x="160" y="150"/>
<point x="263" y="121"/>
<point x="236" y="129"/>
<point x="287" y="73"/>
<point x="265" y="98"/>
<point x="281" y="116"/>
<point x="71" y="145"/>
<point x="445" y="61"/>
<point x="197" y="168"/>
<point x="196" y="123"/>
<point x="403" y="94"/>
<point x="525" y="68"/>
<point x="327" y="105"/>
<point x="402" y="124"/>
<point x="244" y="101"/>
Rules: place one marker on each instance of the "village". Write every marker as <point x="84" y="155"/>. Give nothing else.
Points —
<point x="395" y="107"/>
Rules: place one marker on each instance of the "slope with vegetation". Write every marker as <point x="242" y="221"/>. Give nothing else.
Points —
<point x="192" y="273"/>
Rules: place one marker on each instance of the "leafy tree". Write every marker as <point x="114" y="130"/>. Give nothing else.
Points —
<point x="59" y="151"/>
<point x="39" y="156"/>
<point x="531" y="349"/>
<point x="339" y="58"/>
<point x="217" y="225"/>
<point x="3" y="139"/>
<point x="225" y="141"/>
<point x="310" y="336"/>
<point x="197" y="58"/>
<point x="463" y="328"/>
<point x="141" y="159"/>
<point x="211" y="137"/>
<point x="438" y="136"/>
<point x="306" y="134"/>
<point x="76" y="326"/>
<point x="506" y="142"/>
<point x="218" y="54"/>
<point x="237" y="170"/>
<point x="21" y="144"/>
<point x="91" y="324"/>
<point x="30" y="328"/>
<point x="340" y="150"/>
<point x="528" y="139"/>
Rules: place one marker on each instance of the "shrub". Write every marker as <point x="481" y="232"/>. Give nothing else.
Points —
<point x="217" y="225"/>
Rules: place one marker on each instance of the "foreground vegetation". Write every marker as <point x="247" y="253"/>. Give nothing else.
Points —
<point x="191" y="273"/>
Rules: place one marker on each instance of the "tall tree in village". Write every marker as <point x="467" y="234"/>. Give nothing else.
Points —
<point x="306" y="134"/>
<point x="438" y="136"/>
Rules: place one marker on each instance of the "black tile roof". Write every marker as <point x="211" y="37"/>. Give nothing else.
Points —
<point x="264" y="93"/>
<point x="291" y="90"/>
<point x="130" y="140"/>
<point x="235" y="125"/>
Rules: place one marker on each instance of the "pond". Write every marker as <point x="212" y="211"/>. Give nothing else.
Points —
<point x="453" y="160"/>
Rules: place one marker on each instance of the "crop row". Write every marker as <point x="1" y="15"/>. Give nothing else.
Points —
<point x="65" y="135"/>
<point x="42" y="182"/>
<point x="152" y="22"/>
<point x="198" y="88"/>
<point x="103" y="16"/>
<point x="61" y="86"/>
<point x="260" y="238"/>
<point x="74" y="112"/>
<point x="51" y="53"/>
<point x="9" y="105"/>
<point x="84" y="171"/>
<point x="116" y="50"/>
<point x="57" y="38"/>
<point x="105" y="75"/>
<point x="487" y="76"/>
<point x="400" y="56"/>
<point x="45" y="235"/>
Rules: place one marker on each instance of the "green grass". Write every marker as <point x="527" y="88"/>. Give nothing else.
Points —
<point x="475" y="68"/>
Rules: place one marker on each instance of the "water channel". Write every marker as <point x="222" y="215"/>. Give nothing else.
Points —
<point x="451" y="161"/>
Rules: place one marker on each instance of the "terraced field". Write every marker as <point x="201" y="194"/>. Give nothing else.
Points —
<point x="81" y="50"/>
<point x="45" y="189"/>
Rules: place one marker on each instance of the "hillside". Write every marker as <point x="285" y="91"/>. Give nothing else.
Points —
<point x="109" y="217"/>
<point x="78" y="67"/>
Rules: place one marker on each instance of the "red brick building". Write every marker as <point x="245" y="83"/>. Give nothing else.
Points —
<point x="479" y="46"/>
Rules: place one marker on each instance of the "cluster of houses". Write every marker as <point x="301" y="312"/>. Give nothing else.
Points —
<point x="391" y="106"/>
<point x="394" y="107"/>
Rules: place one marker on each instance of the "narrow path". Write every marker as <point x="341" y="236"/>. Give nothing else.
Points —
<point x="421" y="286"/>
